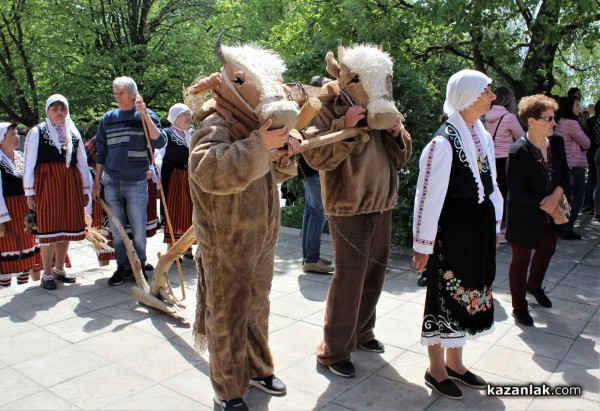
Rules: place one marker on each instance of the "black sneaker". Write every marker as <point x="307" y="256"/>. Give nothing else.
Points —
<point x="148" y="267"/>
<point x="373" y="346"/>
<point x="422" y="282"/>
<point x="446" y="388"/>
<point x="522" y="316"/>
<point x="120" y="275"/>
<point x="63" y="277"/>
<point x="236" y="404"/>
<point x="343" y="368"/>
<point x="271" y="385"/>
<point x="541" y="297"/>
<point x="48" y="284"/>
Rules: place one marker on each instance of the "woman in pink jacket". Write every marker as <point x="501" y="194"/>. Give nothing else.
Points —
<point x="504" y="127"/>
<point x="576" y="144"/>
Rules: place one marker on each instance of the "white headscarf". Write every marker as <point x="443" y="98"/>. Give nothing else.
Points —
<point x="69" y="127"/>
<point x="4" y="129"/>
<point x="174" y="112"/>
<point x="464" y="88"/>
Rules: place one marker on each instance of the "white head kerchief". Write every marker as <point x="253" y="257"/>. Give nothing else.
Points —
<point x="464" y="88"/>
<point x="4" y="129"/>
<point x="174" y="112"/>
<point x="69" y="127"/>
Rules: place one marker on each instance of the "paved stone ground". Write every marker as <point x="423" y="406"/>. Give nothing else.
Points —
<point x="90" y="346"/>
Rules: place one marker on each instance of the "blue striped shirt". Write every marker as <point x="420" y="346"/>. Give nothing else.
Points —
<point x="121" y="145"/>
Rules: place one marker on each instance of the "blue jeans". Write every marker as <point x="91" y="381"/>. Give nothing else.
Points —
<point x="577" y="193"/>
<point x="128" y="201"/>
<point x="313" y="219"/>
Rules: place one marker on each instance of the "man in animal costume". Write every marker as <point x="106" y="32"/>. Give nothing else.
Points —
<point x="233" y="183"/>
<point x="359" y="183"/>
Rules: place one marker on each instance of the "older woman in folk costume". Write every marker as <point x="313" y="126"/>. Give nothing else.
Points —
<point x="174" y="174"/>
<point x="233" y="183"/>
<point x="19" y="255"/>
<point x="57" y="186"/>
<point x="457" y="215"/>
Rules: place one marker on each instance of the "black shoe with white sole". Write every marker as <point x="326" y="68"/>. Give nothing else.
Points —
<point x="236" y="404"/>
<point x="343" y="368"/>
<point x="374" y="345"/>
<point x="271" y="385"/>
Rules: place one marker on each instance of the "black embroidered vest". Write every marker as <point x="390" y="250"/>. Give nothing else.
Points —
<point x="176" y="153"/>
<point x="462" y="183"/>
<point x="12" y="181"/>
<point x="47" y="152"/>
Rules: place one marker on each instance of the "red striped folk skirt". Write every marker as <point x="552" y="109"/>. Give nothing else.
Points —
<point x="100" y="222"/>
<point x="179" y="205"/>
<point x="59" y="203"/>
<point x="10" y="265"/>
<point x="151" y="210"/>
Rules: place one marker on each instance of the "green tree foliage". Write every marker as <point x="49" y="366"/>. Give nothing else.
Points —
<point x="85" y="44"/>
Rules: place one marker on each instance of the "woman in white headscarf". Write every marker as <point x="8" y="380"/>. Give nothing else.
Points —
<point x="19" y="255"/>
<point x="457" y="214"/>
<point x="174" y="173"/>
<point x="57" y="186"/>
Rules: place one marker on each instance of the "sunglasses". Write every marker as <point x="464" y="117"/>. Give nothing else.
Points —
<point x="549" y="119"/>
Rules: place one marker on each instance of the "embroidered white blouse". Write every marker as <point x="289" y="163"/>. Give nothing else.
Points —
<point x="32" y="143"/>
<point x="432" y="185"/>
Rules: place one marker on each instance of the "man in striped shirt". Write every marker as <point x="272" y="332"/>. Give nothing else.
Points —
<point x="122" y="162"/>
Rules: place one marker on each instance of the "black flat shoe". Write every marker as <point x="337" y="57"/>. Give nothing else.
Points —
<point x="522" y="316"/>
<point x="446" y="388"/>
<point x="49" y="284"/>
<point x="541" y="297"/>
<point x="63" y="277"/>
<point x="422" y="282"/>
<point x="468" y="378"/>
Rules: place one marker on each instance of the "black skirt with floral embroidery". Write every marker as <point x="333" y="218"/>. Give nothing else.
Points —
<point x="460" y="273"/>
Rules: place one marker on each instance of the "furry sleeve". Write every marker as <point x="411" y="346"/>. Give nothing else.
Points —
<point x="398" y="149"/>
<point x="220" y="165"/>
<point x="330" y="156"/>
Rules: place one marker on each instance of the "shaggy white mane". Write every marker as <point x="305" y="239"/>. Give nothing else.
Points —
<point x="366" y="59"/>
<point x="263" y="66"/>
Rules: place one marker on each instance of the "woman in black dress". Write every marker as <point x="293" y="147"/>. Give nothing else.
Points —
<point x="457" y="215"/>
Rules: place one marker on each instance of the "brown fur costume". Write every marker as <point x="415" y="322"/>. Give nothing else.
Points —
<point x="359" y="184"/>
<point x="233" y="185"/>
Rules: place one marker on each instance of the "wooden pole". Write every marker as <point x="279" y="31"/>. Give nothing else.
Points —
<point x="162" y="197"/>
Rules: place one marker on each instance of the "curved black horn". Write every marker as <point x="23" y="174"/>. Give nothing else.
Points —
<point x="219" y="49"/>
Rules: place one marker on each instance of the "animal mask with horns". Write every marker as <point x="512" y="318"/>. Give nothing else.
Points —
<point x="249" y="87"/>
<point x="364" y="73"/>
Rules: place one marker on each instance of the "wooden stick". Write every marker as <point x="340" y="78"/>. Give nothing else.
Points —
<point x="162" y="196"/>
<point x="308" y="112"/>
<point x="160" y="287"/>
<point x="325" y="139"/>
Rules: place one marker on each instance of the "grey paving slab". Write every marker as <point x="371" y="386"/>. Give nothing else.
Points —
<point x="158" y="398"/>
<point x="102" y="387"/>
<point x="41" y="400"/>
<point x="58" y="365"/>
<point x="17" y="386"/>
